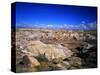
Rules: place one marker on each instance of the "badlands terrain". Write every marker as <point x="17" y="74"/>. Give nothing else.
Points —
<point x="49" y="49"/>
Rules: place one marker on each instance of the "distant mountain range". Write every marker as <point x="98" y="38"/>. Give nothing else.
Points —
<point x="83" y="26"/>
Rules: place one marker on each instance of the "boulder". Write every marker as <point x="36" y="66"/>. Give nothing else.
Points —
<point x="60" y="67"/>
<point x="30" y="61"/>
<point x="66" y="64"/>
<point x="75" y="61"/>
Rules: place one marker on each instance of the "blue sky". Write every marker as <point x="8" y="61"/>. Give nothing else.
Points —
<point x="50" y="15"/>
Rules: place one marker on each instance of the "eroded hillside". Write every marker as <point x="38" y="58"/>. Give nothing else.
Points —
<point x="46" y="49"/>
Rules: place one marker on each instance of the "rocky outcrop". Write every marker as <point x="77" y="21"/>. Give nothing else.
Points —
<point x="50" y="51"/>
<point x="66" y="51"/>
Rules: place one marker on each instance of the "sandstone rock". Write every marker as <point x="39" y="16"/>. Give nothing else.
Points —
<point x="60" y="67"/>
<point x="66" y="51"/>
<point x="66" y="64"/>
<point x="30" y="61"/>
<point x="75" y="61"/>
<point x="51" y="52"/>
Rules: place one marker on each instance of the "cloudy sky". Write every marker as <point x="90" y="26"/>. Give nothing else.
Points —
<point x="55" y="16"/>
